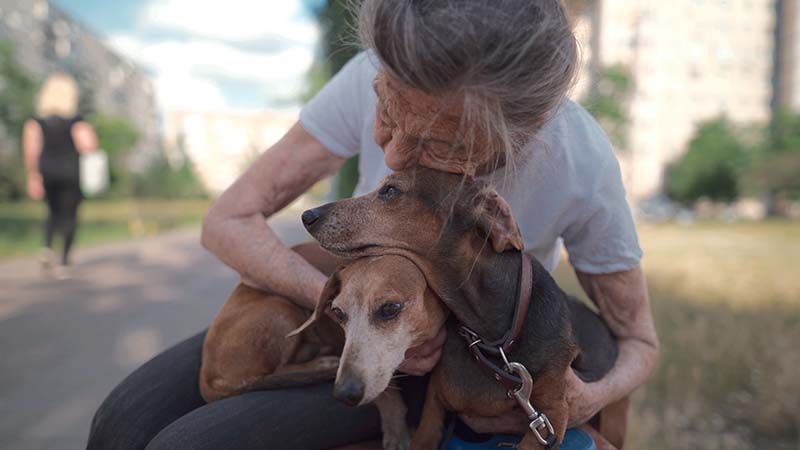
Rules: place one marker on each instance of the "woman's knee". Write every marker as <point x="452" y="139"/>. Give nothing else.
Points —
<point x="155" y="395"/>
<point x="279" y="420"/>
<point x="115" y="424"/>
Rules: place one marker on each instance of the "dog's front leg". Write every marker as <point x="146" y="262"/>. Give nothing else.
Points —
<point x="550" y="396"/>
<point x="393" y="420"/>
<point x="429" y="432"/>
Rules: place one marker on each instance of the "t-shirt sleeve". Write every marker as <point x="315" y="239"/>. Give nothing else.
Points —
<point x="337" y="113"/>
<point x="602" y="238"/>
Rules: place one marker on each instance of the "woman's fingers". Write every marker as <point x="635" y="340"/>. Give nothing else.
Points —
<point x="421" y="365"/>
<point x="583" y="404"/>
<point x="424" y="357"/>
<point x="428" y="347"/>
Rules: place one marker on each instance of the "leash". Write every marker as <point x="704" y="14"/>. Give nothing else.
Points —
<point x="513" y="375"/>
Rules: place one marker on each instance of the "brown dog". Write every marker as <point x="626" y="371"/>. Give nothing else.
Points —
<point x="261" y="341"/>
<point x="444" y="223"/>
<point x="246" y="348"/>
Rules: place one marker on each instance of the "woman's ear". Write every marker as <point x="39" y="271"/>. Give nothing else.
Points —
<point x="329" y="292"/>
<point x="496" y="221"/>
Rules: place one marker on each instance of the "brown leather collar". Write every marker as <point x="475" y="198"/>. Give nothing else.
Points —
<point x="479" y="347"/>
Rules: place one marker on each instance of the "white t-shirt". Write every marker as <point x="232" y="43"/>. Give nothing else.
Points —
<point x="570" y="190"/>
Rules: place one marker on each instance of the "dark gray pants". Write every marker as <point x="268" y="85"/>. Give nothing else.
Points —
<point x="159" y="407"/>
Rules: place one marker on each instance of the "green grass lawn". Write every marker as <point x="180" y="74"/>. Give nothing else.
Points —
<point x="100" y="221"/>
<point x="726" y="299"/>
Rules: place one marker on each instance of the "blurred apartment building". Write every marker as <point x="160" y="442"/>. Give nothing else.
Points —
<point x="46" y="40"/>
<point x="690" y="61"/>
<point x="222" y="144"/>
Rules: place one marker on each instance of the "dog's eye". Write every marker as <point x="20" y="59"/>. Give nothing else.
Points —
<point x="338" y="314"/>
<point x="389" y="311"/>
<point x="388" y="192"/>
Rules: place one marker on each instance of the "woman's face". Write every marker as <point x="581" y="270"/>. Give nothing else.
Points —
<point x="413" y="127"/>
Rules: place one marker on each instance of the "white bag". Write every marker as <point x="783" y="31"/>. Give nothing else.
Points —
<point x="94" y="172"/>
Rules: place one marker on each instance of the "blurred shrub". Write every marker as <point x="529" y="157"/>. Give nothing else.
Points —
<point x="17" y="94"/>
<point x="711" y="167"/>
<point x="775" y="174"/>
<point x="776" y="169"/>
<point x="117" y="137"/>
<point x="170" y="180"/>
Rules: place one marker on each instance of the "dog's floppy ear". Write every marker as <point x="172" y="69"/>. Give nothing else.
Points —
<point x="329" y="292"/>
<point x="496" y="221"/>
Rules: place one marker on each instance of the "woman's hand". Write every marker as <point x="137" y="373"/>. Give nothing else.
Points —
<point x="35" y="186"/>
<point x="424" y="357"/>
<point x="584" y="401"/>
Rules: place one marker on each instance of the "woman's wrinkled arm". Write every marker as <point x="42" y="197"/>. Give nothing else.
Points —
<point x="624" y="305"/>
<point x="235" y="228"/>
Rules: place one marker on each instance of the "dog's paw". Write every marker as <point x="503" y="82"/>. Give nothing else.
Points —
<point x="328" y="362"/>
<point x="397" y="440"/>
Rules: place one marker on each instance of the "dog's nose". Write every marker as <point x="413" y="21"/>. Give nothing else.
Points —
<point x="350" y="391"/>
<point x="310" y="217"/>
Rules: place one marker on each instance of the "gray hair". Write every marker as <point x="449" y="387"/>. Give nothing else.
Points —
<point x="513" y="60"/>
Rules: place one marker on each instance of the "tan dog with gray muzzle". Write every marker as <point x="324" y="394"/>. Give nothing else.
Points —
<point x="382" y="303"/>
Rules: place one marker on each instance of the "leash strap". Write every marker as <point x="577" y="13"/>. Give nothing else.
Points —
<point x="479" y="348"/>
<point x="524" y="289"/>
<point x="513" y="376"/>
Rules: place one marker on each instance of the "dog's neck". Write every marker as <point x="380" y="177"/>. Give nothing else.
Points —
<point x="482" y="294"/>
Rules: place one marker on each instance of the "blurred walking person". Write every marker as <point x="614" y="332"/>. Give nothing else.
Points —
<point x="52" y="142"/>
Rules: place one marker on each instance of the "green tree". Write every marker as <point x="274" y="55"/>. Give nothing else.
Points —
<point x="338" y="45"/>
<point x="164" y="179"/>
<point x="17" y="95"/>
<point x="784" y="136"/>
<point x="775" y="172"/>
<point x="608" y="103"/>
<point x="711" y="167"/>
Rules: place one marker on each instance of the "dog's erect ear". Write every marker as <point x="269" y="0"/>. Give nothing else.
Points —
<point x="496" y="221"/>
<point x="329" y="292"/>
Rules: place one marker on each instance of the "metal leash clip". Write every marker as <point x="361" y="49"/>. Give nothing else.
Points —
<point x="539" y="422"/>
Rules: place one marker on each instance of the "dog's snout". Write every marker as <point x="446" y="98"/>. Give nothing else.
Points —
<point x="311" y="216"/>
<point x="349" y="391"/>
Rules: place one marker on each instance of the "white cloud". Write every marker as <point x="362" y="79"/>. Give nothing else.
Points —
<point x="178" y="91"/>
<point x="232" y="19"/>
<point x="199" y="50"/>
<point x="195" y="64"/>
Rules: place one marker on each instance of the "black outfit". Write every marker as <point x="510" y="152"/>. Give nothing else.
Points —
<point x="159" y="407"/>
<point x="59" y="165"/>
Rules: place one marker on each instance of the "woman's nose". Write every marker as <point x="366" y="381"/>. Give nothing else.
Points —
<point x="399" y="159"/>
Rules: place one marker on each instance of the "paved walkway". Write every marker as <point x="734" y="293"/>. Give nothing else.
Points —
<point x="64" y="345"/>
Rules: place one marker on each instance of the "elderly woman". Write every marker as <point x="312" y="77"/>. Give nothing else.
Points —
<point x="51" y="143"/>
<point x="475" y="87"/>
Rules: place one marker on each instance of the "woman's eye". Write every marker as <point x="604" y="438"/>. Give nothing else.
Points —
<point x="339" y="314"/>
<point x="389" y="311"/>
<point x="388" y="192"/>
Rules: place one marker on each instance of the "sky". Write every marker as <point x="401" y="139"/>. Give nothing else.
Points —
<point x="210" y="54"/>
